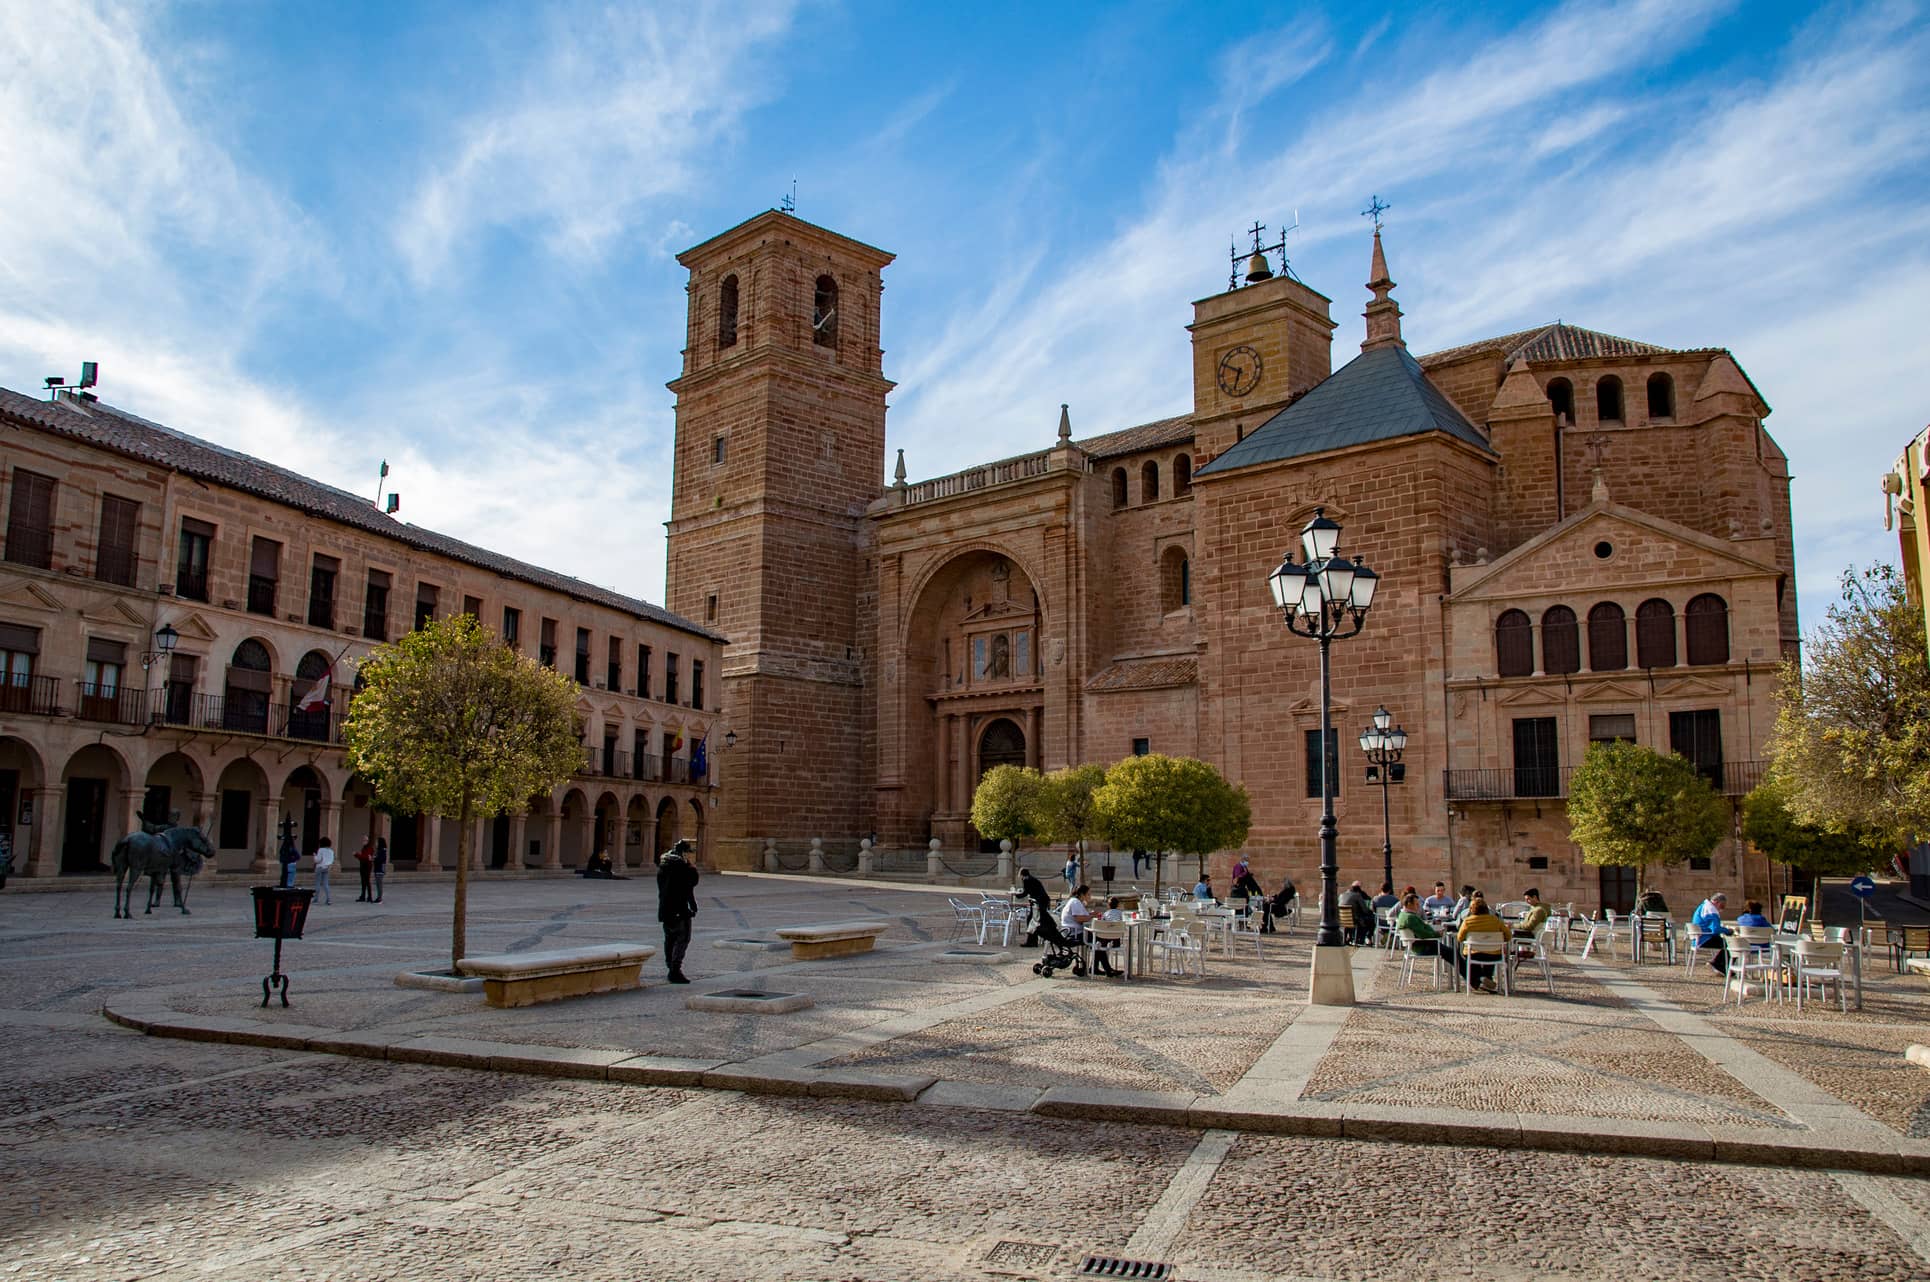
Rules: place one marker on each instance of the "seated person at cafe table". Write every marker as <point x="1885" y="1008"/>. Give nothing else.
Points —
<point x="1356" y="915"/>
<point x="1387" y="898"/>
<point x="1479" y="921"/>
<point x="1440" y="901"/>
<point x="1752" y="914"/>
<point x="1102" y="949"/>
<point x="1537" y="916"/>
<point x="1427" y="940"/>
<point x="1280" y="905"/>
<point x="1461" y="904"/>
<point x="1203" y="889"/>
<point x="1709" y="930"/>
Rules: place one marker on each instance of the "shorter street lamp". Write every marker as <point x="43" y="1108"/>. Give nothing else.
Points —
<point x="1326" y="600"/>
<point x="164" y="642"/>
<point x="1383" y="748"/>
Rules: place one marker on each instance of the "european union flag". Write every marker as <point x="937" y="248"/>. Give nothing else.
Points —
<point x="700" y="759"/>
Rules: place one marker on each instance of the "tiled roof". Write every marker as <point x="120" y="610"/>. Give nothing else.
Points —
<point x="107" y="428"/>
<point x="1147" y="436"/>
<point x="1380" y="395"/>
<point x="1556" y="342"/>
<point x="1145" y="674"/>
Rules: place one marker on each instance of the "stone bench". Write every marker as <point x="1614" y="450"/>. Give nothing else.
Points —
<point x="832" y="939"/>
<point x="523" y="979"/>
<point x="1918" y="966"/>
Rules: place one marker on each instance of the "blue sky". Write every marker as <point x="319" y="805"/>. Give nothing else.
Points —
<point x="444" y="233"/>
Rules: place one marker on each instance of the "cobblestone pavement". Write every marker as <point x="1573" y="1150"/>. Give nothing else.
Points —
<point x="133" y="1157"/>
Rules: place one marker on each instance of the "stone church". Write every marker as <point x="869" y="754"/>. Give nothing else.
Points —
<point x="1580" y="537"/>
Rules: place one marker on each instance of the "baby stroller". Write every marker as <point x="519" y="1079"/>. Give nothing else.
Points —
<point x="1060" y="952"/>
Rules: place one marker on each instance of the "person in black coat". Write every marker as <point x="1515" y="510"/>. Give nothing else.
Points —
<point x="676" y="906"/>
<point x="1034" y="890"/>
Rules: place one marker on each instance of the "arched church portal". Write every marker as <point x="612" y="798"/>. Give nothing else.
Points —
<point x="1002" y="744"/>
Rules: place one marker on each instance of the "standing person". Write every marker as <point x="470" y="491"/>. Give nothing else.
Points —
<point x="1071" y="872"/>
<point x="676" y="905"/>
<point x="1034" y="889"/>
<point x="365" y="867"/>
<point x="1245" y="883"/>
<point x="381" y="865"/>
<point x="324" y="862"/>
<point x="1139" y="859"/>
<point x="290" y="855"/>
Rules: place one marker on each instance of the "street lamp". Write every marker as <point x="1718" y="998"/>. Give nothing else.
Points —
<point x="164" y="643"/>
<point x="1383" y="748"/>
<point x="1326" y="598"/>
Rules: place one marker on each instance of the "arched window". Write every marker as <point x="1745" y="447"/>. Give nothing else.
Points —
<point x="1561" y="640"/>
<point x="1175" y="580"/>
<point x="1182" y="475"/>
<point x="1707" y="624"/>
<point x="824" y="313"/>
<point x="1561" y="398"/>
<point x="727" y="312"/>
<point x="1514" y="645"/>
<point x="1608" y="400"/>
<point x="1607" y="638"/>
<point x="1661" y="396"/>
<point x="1149" y="482"/>
<point x="244" y="699"/>
<point x="1119" y="487"/>
<point x="1655" y="634"/>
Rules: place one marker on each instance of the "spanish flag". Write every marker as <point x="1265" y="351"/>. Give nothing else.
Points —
<point x="674" y="740"/>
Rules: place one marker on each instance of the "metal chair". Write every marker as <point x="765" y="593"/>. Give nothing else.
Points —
<point x="1489" y="944"/>
<point x="967" y="919"/>
<point x="1604" y="928"/>
<point x="1534" y="952"/>
<point x="1654" y="931"/>
<point x="1752" y="955"/>
<point x="1821" y="963"/>
<point x="1438" y="962"/>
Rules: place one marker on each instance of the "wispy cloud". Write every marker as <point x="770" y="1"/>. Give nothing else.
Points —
<point x="615" y="112"/>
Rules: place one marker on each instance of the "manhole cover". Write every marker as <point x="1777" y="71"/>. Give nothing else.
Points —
<point x="1107" y="1266"/>
<point x="1020" y="1257"/>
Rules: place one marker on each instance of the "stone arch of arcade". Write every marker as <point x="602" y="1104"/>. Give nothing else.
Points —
<point x="970" y="656"/>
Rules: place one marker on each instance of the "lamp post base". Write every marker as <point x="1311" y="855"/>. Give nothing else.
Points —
<point x="1333" y="976"/>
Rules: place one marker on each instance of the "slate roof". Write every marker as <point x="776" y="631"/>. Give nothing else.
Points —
<point x="1380" y="395"/>
<point x="1145" y="674"/>
<point x="1131" y="440"/>
<point x="116" y="430"/>
<point x="1556" y="342"/>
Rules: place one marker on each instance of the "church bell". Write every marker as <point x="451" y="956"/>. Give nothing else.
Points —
<point x="1257" y="269"/>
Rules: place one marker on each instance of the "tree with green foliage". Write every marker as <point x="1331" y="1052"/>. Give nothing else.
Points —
<point x="1064" y="810"/>
<point x="1809" y="849"/>
<point x="1851" y="747"/>
<point x="450" y="721"/>
<point x="1158" y="803"/>
<point x="1631" y="807"/>
<point x="1005" y="805"/>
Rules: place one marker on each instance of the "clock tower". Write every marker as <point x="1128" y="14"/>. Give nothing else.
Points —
<point x="1255" y="347"/>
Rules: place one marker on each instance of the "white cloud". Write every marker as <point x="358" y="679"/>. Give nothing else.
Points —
<point x="616" y="111"/>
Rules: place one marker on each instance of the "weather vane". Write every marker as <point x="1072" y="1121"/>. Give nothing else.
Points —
<point x="789" y="203"/>
<point x="1375" y="208"/>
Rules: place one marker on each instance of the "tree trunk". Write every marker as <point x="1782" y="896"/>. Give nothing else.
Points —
<point x="459" y="926"/>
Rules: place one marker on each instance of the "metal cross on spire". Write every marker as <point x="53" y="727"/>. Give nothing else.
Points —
<point x="1597" y="445"/>
<point x="1375" y="208"/>
<point x="1256" y="231"/>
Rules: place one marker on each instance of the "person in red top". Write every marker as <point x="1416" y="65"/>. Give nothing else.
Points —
<point x="365" y="864"/>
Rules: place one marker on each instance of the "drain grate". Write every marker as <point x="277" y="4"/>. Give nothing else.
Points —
<point x="1027" y="1258"/>
<point x="1106" y="1266"/>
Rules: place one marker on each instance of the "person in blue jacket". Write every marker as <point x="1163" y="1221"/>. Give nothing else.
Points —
<point x="1709" y="930"/>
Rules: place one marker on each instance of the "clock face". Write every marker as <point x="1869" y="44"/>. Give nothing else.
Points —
<point x="1239" y="370"/>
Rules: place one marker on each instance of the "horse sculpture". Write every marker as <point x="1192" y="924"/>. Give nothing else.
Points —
<point x="174" y="852"/>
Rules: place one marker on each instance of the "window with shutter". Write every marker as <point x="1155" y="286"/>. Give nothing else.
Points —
<point x="114" y="560"/>
<point x="1607" y="638"/>
<point x="264" y="576"/>
<point x="1514" y="645"/>
<point x="30" y="520"/>
<point x="1655" y="634"/>
<point x="1561" y="641"/>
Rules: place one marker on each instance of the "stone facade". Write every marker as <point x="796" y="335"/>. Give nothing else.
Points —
<point x="1107" y="595"/>
<point x="117" y="527"/>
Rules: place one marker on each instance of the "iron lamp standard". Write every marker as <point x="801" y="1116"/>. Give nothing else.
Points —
<point x="1326" y="599"/>
<point x="1383" y="748"/>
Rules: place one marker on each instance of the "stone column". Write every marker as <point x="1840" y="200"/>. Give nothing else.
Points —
<point x="428" y="832"/>
<point x="961" y="768"/>
<point x="620" y="843"/>
<point x="518" y="841"/>
<point x="1034" y="750"/>
<point x="265" y="863"/>
<point x="44" y="836"/>
<point x="478" y="841"/>
<point x="332" y="827"/>
<point x="588" y="844"/>
<point x="1681" y="638"/>
<point x="1538" y="656"/>
<point x="123" y="819"/>
<point x="203" y="814"/>
<point x="553" y="839"/>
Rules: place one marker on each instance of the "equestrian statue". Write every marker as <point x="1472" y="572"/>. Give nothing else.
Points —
<point x="176" y="852"/>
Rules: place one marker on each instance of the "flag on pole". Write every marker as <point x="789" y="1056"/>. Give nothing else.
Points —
<point x="317" y="696"/>
<point x="674" y="739"/>
<point x="700" y="759"/>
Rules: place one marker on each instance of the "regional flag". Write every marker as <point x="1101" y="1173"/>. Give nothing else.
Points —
<point x="700" y="759"/>
<point x="317" y="696"/>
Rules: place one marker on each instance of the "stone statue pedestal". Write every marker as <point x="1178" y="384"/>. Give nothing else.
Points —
<point x="1333" y="976"/>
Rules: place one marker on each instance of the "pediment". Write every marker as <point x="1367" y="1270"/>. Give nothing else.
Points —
<point x="30" y="596"/>
<point x="1645" y="552"/>
<point x="1691" y="688"/>
<point x="1302" y="708"/>
<point x="115" y="614"/>
<point x="194" y="628"/>
<point x="996" y="610"/>
<point x="1537" y="694"/>
<point x="1611" y="692"/>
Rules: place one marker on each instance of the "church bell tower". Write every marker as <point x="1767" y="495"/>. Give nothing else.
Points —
<point x="780" y="446"/>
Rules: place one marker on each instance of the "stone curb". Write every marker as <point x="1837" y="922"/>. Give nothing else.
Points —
<point x="1453" y="1128"/>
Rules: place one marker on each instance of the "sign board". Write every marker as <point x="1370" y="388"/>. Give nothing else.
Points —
<point x="1790" y="919"/>
<point x="1862" y="887"/>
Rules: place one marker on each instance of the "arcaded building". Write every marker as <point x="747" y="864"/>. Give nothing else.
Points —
<point x="1581" y="537"/>
<point x="180" y="626"/>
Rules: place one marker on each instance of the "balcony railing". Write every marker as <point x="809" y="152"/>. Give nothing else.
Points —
<point x="605" y="763"/>
<point x="1732" y="779"/>
<point x="122" y="704"/>
<point x="981" y="477"/>
<point x="243" y="713"/>
<point x="261" y="594"/>
<point x="318" y="726"/>
<point x="29" y="546"/>
<point x="22" y="694"/>
<point x="191" y="584"/>
<point x="321" y="612"/>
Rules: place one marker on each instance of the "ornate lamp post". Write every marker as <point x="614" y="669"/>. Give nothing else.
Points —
<point x="1383" y="748"/>
<point x="1326" y="599"/>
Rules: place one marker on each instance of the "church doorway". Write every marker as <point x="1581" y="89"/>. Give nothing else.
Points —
<point x="1002" y="744"/>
